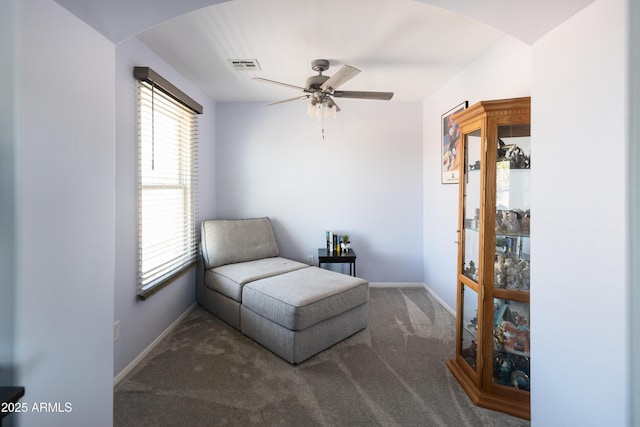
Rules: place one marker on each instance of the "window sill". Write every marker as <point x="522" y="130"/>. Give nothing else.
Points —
<point x="151" y="289"/>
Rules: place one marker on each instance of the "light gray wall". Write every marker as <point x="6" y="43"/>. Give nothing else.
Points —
<point x="363" y="179"/>
<point x="8" y="188"/>
<point x="64" y="311"/>
<point x="65" y="97"/>
<point x="141" y="322"/>
<point x="634" y="200"/>
<point x="503" y="72"/>
<point x="576" y="76"/>
<point x="579" y="270"/>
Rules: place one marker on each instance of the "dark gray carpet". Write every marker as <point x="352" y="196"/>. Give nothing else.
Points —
<point x="205" y="373"/>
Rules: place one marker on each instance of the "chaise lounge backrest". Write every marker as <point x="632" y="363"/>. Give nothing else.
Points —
<point x="228" y="241"/>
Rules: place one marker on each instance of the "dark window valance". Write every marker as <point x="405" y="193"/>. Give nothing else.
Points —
<point x="148" y="75"/>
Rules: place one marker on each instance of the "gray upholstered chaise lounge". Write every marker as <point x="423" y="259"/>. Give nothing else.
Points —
<point x="289" y="307"/>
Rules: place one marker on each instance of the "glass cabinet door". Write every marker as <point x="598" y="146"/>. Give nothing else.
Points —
<point x="511" y="351"/>
<point x="513" y="208"/>
<point x="469" y="336"/>
<point x="471" y="201"/>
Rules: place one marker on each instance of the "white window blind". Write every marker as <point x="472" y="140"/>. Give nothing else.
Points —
<point x="167" y="242"/>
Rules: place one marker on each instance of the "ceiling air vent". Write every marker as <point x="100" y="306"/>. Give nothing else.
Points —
<point x="244" y="64"/>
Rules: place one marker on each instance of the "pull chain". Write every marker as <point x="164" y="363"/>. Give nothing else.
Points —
<point x="153" y="126"/>
<point x="322" y="107"/>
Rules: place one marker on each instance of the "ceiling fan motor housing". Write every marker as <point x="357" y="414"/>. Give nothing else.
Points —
<point x="314" y="82"/>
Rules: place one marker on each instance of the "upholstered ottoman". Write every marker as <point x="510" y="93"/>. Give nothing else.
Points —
<point x="300" y="313"/>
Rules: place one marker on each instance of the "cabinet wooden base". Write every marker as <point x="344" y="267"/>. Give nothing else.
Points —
<point x="486" y="400"/>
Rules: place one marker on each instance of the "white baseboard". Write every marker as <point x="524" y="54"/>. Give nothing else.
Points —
<point x="440" y="300"/>
<point x="395" y="285"/>
<point x="414" y="285"/>
<point x="150" y="347"/>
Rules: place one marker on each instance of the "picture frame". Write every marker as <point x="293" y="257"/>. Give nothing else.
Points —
<point x="450" y="145"/>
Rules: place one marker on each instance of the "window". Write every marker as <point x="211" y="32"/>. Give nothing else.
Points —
<point x="167" y="130"/>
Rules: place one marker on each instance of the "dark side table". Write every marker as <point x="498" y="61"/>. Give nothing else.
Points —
<point x="342" y="258"/>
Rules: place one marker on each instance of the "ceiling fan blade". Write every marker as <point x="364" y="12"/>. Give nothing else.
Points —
<point x="384" y="96"/>
<point x="344" y="74"/>
<point x="278" y="83"/>
<point x="287" y="100"/>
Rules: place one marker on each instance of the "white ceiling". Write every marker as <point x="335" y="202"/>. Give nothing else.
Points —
<point x="400" y="46"/>
<point x="405" y="46"/>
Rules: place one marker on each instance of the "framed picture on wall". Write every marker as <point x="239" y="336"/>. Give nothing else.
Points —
<point x="451" y="145"/>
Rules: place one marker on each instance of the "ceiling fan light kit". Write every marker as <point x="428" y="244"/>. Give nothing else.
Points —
<point x="317" y="109"/>
<point x="320" y="90"/>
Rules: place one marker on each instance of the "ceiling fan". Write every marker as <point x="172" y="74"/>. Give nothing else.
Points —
<point x="320" y="90"/>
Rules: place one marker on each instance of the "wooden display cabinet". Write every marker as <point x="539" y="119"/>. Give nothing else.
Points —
<point x="492" y="361"/>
